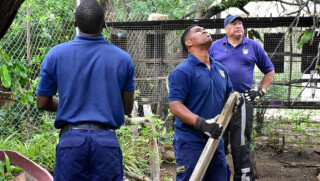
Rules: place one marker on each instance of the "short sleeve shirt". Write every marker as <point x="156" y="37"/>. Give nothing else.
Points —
<point x="241" y="60"/>
<point x="89" y="74"/>
<point x="202" y="91"/>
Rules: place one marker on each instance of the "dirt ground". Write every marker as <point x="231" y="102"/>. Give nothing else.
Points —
<point x="287" y="165"/>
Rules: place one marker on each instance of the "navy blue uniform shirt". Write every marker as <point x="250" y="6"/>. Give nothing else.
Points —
<point x="89" y="73"/>
<point x="202" y="91"/>
<point x="239" y="64"/>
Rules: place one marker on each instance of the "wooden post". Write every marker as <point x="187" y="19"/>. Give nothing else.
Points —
<point x="134" y="114"/>
<point x="28" y="34"/>
<point x="28" y="119"/>
<point x="154" y="161"/>
<point x="212" y="144"/>
<point x="159" y="107"/>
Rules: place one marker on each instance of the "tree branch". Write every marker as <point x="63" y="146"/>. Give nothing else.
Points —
<point x="190" y="13"/>
<point x="223" y="6"/>
<point x="245" y="11"/>
<point x="241" y="3"/>
<point x="287" y="3"/>
<point x="309" y="12"/>
<point x="301" y="7"/>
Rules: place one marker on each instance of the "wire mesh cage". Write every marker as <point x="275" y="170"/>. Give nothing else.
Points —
<point x="156" y="49"/>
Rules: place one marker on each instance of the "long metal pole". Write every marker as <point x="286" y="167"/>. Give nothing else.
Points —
<point x="28" y="33"/>
<point x="76" y="4"/>
<point x="291" y="60"/>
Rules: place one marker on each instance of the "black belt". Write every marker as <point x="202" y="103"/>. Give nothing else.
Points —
<point x="246" y="91"/>
<point x="84" y="126"/>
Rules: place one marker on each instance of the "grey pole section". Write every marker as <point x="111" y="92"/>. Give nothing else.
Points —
<point x="76" y="4"/>
<point x="218" y="31"/>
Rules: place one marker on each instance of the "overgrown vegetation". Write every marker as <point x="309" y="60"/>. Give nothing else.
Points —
<point x="40" y="148"/>
<point x="289" y="127"/>
<point x="136" y="150"/>
<point x="7" y="170"/>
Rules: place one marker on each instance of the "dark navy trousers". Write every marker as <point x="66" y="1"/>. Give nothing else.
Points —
<point x="187" y="155"/>
<point x="88" y="155"/>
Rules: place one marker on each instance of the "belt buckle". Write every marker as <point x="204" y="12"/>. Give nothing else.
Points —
<point x="98" y="126"/>
<point x="84" y="126"/>
<point x="64" y="128"/>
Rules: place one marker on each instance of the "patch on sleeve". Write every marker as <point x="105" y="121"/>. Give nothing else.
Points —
<point x="222" y="73"/>
<point x="266" y="53"/>
<point x="181" y="169"/>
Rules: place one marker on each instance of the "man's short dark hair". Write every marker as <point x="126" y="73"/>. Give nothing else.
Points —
<point x="184" y="36"/>
<point x="89" y="17"/>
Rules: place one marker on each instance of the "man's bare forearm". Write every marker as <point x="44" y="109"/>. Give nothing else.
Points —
<point x="267" y="79"/>
<point x="178" y="109"/>
<point x="48" y="103"/>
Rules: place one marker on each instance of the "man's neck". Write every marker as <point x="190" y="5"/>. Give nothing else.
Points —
<point x="91" y="35"/>
<point x="202" y="55"/>
<point x="234" y="41"/>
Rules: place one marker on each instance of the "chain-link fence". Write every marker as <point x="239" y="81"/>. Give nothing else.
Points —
<point x="35" y="30"/>
<point x="155" y="49"/>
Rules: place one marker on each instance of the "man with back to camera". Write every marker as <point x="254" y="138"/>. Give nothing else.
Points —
<point x="240" y="54"/>
<point x="198" y="89"/>
<point x="95" y="81"/>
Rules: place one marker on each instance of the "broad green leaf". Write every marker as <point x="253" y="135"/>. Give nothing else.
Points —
<point x="23" y="100"/>
<point x="8" y="166"/>
<point x="1" y="169"/>
<point x="4" y="55"/>
<point x="23" y="82"/>
<point x="9" y="64"/>
<point x="17" y="169"/>
<point x="5" y="77"/>
<point x="30" y="96"/>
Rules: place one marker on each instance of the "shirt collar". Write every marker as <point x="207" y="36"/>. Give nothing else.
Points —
<point x="225" y="40"/>
<point x="244" y="40"/>
<point x="195" y="61"/>
<point x="90" y="38"/>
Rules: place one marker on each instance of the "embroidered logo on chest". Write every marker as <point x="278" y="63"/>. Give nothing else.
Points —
<point x="222" y="73"/>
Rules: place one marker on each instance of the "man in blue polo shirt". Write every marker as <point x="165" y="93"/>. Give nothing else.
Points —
<point x="95" y="81"/>
<point x="240" y="54"/>
<point x="198" y="89"/>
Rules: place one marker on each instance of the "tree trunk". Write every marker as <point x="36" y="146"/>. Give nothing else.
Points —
<point x="123" y="4"/>
<point x="260" y="119"/>
<point x="8" y="12"/>
<point x="108" y="6"/>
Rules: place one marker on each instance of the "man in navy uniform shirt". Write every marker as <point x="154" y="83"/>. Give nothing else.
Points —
<point x="240" y="54"/>
<point x="95" y="81"/>
<point x="198" y="89"/>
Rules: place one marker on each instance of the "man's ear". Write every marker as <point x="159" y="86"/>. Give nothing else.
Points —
<point x="226" y="28"/>
<point x="75" y="24"/>
<point x="188" y="43"/>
